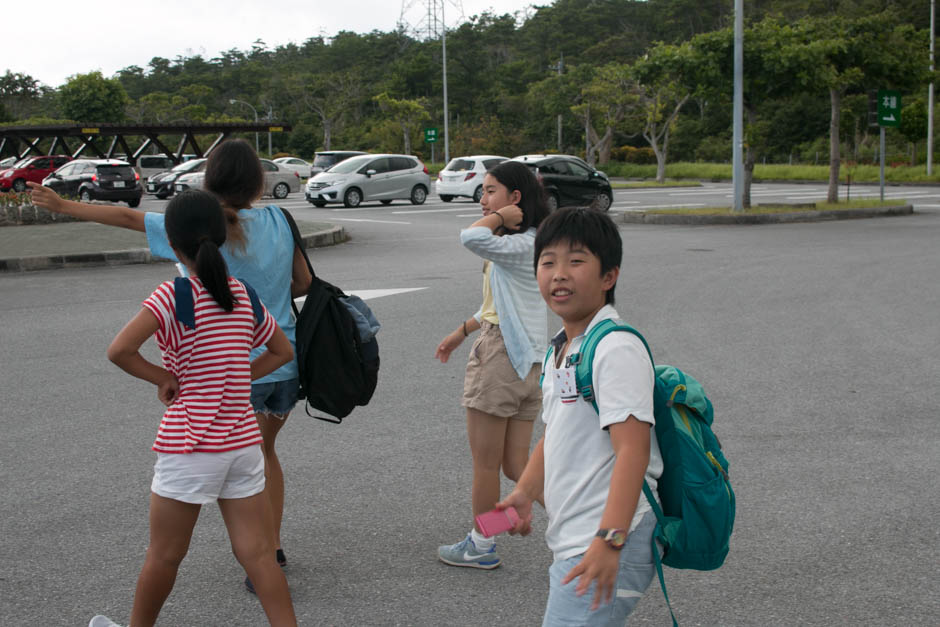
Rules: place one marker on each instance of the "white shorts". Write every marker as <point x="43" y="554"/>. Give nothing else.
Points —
<point x="201" y="478"/>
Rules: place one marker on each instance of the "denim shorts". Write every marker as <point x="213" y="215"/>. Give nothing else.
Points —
<point x="636" y="572"/>
<point x="276" y="398"/>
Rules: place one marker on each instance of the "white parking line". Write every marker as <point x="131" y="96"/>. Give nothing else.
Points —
<point x="451" y="210"/>
<point x="697" y="204"/>
<point x="368" y="220"/>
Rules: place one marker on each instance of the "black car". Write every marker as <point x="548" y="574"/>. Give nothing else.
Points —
<point x="97" y="179"/>
<point x="162" y="184"/>
<point x="570" y="181"/>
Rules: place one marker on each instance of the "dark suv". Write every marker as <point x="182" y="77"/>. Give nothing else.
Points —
<point x="570" y="181"/>
<point x="97" y="179"/>
<point x="33" y="169"/>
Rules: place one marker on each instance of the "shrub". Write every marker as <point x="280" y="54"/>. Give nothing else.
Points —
<point x="632" y="154"/>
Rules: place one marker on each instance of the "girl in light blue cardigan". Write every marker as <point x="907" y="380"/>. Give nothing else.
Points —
<point x="501" y="391"/>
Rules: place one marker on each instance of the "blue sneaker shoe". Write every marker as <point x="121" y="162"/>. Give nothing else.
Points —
<point x="465" y="553"/>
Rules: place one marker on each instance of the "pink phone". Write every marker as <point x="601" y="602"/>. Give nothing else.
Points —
<point x="497" y="521"/>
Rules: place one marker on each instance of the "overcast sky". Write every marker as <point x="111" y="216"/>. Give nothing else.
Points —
<point x="57" y="38"/>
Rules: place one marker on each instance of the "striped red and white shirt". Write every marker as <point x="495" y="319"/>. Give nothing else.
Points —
<point x="213" y="411"/>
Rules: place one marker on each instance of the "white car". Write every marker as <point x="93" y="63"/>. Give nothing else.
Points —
<point x="463" y="176"/>
<point x="278" y="182"/>
<point x="294" y="164"/>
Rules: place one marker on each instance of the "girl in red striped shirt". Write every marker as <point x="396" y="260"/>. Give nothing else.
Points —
<point x="208" y="445"/>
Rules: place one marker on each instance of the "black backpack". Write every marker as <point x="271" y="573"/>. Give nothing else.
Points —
<point x="337" y="353"/>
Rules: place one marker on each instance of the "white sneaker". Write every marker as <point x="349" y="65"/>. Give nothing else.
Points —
<point x="102" y="621"/>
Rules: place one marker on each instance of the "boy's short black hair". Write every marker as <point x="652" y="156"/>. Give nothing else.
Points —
<point x="580" y="226"/>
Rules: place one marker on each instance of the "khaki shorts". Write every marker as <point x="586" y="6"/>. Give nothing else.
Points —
<point x="493" y="386"/>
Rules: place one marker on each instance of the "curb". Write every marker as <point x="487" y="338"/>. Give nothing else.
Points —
<point x="319" y="239"/>
<point x="642" y="217"/>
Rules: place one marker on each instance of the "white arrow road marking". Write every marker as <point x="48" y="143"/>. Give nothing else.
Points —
<point x="369" y="294"/>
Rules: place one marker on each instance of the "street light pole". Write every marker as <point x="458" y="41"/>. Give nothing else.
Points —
<point x="737" y="142"/>
<point x="930" y="98"/>
<point x="444" y="55"/>
<point x="255" y="111"/>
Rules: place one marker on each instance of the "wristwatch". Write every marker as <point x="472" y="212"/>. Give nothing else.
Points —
<point x="615" y="538"/>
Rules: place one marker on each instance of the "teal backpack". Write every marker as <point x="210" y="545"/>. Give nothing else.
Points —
<point x="695" y="521"/>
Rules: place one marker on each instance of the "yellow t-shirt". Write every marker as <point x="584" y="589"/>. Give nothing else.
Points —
<point x="488" y="308"/>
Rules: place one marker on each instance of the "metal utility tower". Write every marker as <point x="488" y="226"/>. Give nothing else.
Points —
<point x="430" y="23"/>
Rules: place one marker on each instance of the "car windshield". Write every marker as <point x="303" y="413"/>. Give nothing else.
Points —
<point x="350" y="165"/>
<point x="22" y="163"/>
<point x="187" y="166"/>
<point x="324" y="161"/>
<point x="115" y="168"/>
<point x="459" y="165"/>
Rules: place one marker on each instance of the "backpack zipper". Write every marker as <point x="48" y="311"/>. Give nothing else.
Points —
<point x="714" y="461"/>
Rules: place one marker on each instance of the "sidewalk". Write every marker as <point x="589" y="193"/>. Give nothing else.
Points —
<point x="77" y="244"/>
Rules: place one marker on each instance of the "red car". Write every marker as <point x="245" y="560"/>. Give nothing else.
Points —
<point x="30" y="169"/>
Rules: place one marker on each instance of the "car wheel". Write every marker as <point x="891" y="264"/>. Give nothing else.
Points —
<point x="318" y="203"/>
<point x="552" y="202"/>
<point x="418" y="195"/>
<point x="84" y="195"/>
<point x="162" y="195"/>
<point x="352" y="198"/>
<point x="478" y="193"/>
<point x="280" y="191"/>
<point x="445" y="197"/>
<point x="133" y="203"/>
<point x="386" y="202"/>
<point x="602" y="201"/>
<point x="19" y="185"/>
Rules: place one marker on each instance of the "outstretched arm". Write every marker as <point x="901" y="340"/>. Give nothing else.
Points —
<point x="110" y="215"/>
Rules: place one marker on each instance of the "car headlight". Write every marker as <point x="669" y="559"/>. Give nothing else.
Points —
<point x="7" y="174"/>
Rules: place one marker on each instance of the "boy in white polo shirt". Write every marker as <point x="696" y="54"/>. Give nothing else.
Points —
<point x="590" y="465"/>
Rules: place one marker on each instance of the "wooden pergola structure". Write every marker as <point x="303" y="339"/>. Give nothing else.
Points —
<point x="76" y="139"/>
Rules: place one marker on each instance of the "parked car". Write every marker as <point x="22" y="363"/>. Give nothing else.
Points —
<point x="97" y="179"/>
<point x="463" y="176"/>
<point x="295" y="164"/>
<point x="149" y="165"/>
<point x="6" y="163"/>
<point x="33" y="169"/>
<point x="278" y="182"/>
<point x="162" y="184"/>
<point x="371" y="177"/>
<point x="569" y="180"/>
<point x="323" y="161"/>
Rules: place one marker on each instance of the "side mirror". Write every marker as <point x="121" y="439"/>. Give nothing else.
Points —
<point x="369" y="173"/>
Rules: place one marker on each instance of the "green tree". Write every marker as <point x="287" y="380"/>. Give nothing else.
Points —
<point x="409" y="115"/>
<point x="604" y="102"/>
<point x="663" y="85"/>
<point x="93" y="98"/>
<point x="914" y="124"/>
<point x="854" y="55"/>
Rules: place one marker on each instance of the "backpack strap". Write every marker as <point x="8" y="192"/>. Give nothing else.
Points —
<point x="299" y="244"/>
<point x="256" y="306"/>
<point x="185" y="309"/>
<point x="583" y="361"/>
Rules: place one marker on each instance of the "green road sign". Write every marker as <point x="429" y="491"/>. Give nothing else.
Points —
<point x="889" y="107"/>
<point x="430" y="135"/>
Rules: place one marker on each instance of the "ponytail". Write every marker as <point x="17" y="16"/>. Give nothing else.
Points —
<point x="212" y="271"/>
<point x="195" y="226"/>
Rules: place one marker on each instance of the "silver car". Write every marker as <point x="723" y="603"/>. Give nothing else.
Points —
<point x="371" y="177"/>
<point x="278" y="182"/>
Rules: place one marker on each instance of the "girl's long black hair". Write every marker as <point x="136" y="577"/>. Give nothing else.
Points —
<point x="195" y="226"/>
<point x="516" y="175"/>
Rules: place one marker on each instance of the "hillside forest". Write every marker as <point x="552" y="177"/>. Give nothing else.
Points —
<point x="610" y="80"/>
